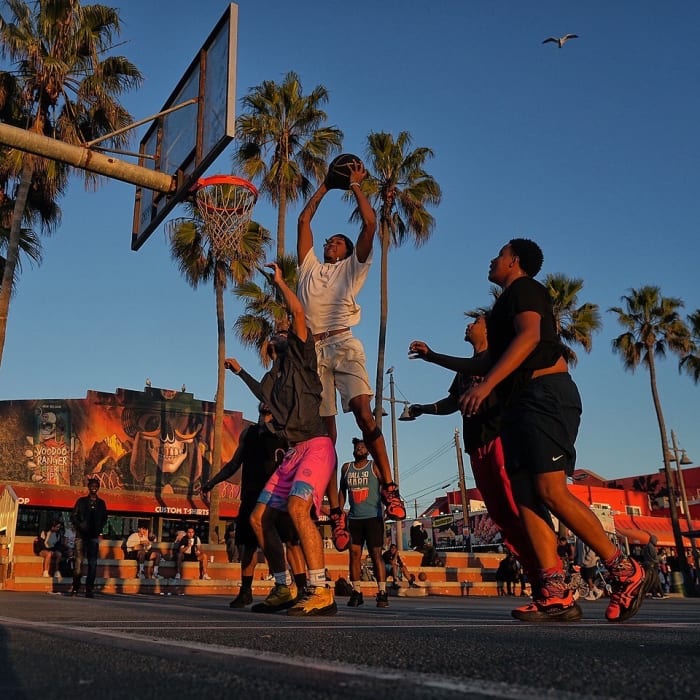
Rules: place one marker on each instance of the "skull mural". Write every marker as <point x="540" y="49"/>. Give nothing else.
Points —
<point x="168" y="445"/>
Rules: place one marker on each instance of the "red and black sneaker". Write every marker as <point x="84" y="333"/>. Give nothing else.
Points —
<point x="341" y="536"/>
<point x="629" y="587"/>
<point x="555" y="602"/>
<point x="395" y="508"/>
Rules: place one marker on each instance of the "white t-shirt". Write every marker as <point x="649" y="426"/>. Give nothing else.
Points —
<point x="134" y="542"/>
<point x="327" y="291"/>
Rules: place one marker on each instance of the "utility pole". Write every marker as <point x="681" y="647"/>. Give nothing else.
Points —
<point x="463" y="488"/>
<point x="395" y="451"/>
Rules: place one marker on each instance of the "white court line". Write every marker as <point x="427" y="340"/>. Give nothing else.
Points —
<point x="465" y="687"/>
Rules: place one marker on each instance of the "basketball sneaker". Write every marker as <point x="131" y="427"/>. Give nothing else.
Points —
<point x="629" y="587"/>
<point x="356" y="599"/>
<point x="341" y="537"/>
<point x="316" y="600"/>
<point x="279" y="598"/>
<point x="555" y="602"/>
<point x="244" y="597"/>
<point x="395" y="508"/>
<point x="382" y="599"/>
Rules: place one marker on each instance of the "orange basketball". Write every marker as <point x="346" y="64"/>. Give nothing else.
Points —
<point x="422" y="576"/>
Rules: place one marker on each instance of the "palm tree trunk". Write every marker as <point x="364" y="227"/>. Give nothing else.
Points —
<point x="13" y="247"/>
<point x="214" y="503"/>
<point x="383" y="315"/>
<point x="677" y="537"/>
<point x="281" y="220"/>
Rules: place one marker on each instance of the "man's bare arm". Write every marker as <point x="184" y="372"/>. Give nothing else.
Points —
<point x="305" y="238"/>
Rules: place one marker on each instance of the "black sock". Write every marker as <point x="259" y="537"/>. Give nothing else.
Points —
<point x="300" y="580"/>
<point x="246" y="583"/>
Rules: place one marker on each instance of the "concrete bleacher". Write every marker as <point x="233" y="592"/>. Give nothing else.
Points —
<point x="464" y="574"/>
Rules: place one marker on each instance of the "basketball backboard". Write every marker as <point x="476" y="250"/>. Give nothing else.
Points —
<point x="186" y="141"/>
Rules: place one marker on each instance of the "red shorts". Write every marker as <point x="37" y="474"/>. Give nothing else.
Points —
<point x="305" y="472"/>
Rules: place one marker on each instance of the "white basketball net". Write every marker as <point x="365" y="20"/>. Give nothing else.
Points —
<point x="225" y="209"/>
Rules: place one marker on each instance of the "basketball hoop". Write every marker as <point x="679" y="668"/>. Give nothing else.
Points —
<point x="225" y="204"/>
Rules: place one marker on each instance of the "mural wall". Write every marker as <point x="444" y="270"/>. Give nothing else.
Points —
<point x="156" y="441"/>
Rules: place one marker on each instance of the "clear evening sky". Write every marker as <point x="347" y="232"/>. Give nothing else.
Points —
<point x="591" y="150"/>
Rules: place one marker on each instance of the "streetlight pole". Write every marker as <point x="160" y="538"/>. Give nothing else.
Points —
<point x="463" y="490"/>
<point x="675" y="525"/>
<point x="680" y="460"/>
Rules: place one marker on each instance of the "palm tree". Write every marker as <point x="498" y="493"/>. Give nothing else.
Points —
<point x="402" y="190"/>
<point x="575" y="324"/>
<point x="652" y="326"/>
<point x="199" y="263"/>
<point x="264" y="308"/>
<point x="284" y="142"/>
<point x="691" y="361"/>
<point x="68" y="89"/>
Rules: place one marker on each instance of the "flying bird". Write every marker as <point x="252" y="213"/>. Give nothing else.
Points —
<point x="560" y="42"/>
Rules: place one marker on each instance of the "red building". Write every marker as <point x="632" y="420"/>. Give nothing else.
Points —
<point x="150" y="449"/>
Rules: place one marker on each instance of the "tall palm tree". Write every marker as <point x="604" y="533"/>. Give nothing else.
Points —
<point x="691" y="361"/>
<point x="284" y="142"/>
<point x="264" y="308"/>
<point x="402" y="190"/>
<point x="652" y="326"/>
<point x="575" y="324"/>
<point x="199" y="263"/>
<point x="68" y="89"/>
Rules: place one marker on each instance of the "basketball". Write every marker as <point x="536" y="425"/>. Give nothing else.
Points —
<point x="422" y="576"/>
<point x="338" y="177"/>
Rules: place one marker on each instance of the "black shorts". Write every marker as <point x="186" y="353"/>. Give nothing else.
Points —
<point x="190" y="557"/>
<point x="132" y="555"/>
<point x="588" y="573"/>
<point x="369" y="531"/>
<point x="539" y="429"/>
<point x="245" y="535"/>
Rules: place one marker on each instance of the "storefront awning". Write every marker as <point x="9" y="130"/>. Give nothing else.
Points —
<point x="121" y="501"/>
<point x="638" y="528"/>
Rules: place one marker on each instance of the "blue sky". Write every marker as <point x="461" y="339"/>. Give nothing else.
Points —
<point x="591" y="150"/>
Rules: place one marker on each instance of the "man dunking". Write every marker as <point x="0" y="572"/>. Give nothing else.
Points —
<point x="327" y="291"/>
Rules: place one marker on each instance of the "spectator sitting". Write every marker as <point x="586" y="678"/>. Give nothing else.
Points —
<point x="48" y="547"/>
<point x="396" y="568"/>
<point x="430" y="556"/>
<point x="139" y="547"/>
<point x="190" y="549"/>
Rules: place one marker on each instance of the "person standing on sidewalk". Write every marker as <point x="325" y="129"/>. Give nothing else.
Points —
<point x="89" y="518"/>
<point x="359" y="481"/>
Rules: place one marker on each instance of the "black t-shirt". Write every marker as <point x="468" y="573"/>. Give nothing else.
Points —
<point x="524" y="294"/>
<point x="483" y="427"/>
<point x="261" y="453"/>
<point x="292" y="390"/>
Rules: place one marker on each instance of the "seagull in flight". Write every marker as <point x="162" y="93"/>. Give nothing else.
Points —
<point x="561" y="41"/>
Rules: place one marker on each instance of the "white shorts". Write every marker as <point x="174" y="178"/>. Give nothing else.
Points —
<point x="341" y="366"/>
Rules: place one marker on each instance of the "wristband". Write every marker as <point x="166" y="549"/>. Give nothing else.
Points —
<point x="354" y="183"/>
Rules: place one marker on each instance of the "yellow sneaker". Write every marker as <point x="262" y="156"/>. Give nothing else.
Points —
<point x="279" y="598"/>
<point x="315" y="600"/>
